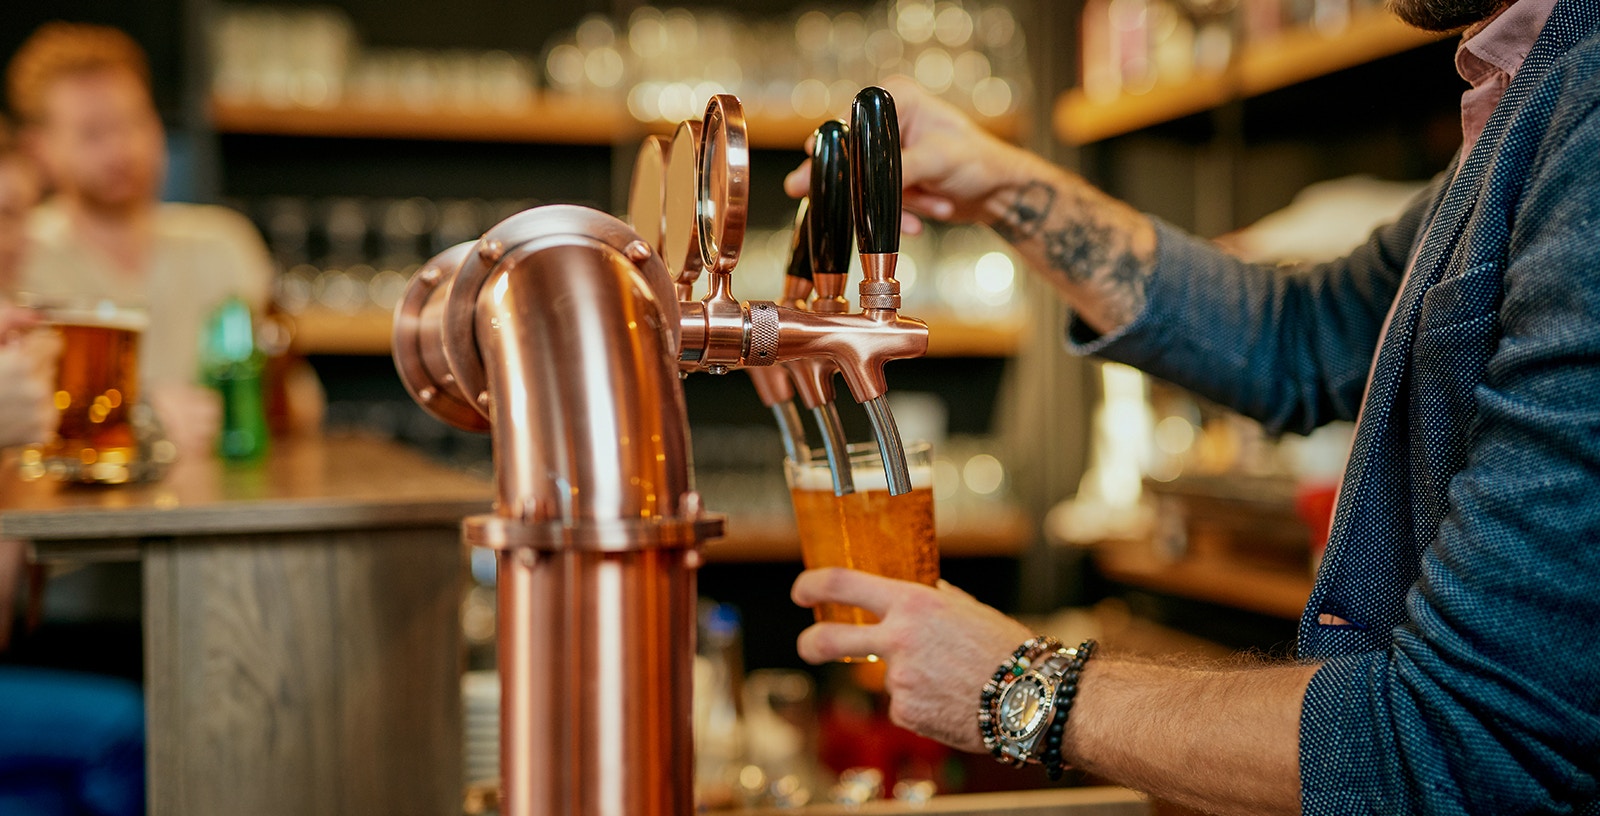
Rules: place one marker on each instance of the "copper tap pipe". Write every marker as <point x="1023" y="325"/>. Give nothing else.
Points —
<point x="565" y="325"/>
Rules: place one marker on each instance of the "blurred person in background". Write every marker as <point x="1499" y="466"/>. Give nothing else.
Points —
<point x="1448" y="657"/>
<point x="82" y="94"/>
<point x="70" y="743"/>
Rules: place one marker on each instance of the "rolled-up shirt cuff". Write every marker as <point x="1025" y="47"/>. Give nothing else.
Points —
<point x="1142" y="339"/>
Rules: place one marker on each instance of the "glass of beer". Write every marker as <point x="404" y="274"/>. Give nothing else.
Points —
<point x="869" y="529"/>
<point x="96" y="388"/>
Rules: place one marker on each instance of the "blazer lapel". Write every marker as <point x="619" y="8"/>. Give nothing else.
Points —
<point x="1367" y="529"/>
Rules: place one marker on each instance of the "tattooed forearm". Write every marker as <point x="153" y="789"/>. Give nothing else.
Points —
<point x="1097" y="251"/>
<point x="1026" y="215"/>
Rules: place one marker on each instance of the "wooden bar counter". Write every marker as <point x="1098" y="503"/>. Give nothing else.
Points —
<point x="301" y="637"/>
<point x="1098" y="801"/>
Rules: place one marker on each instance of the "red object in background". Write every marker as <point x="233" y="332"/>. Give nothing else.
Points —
<point x="856" y="733"/>
<point x="1314" y="503"/>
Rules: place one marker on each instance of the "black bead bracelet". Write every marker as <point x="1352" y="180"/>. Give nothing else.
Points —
<point x="1021" y="658"/>
<point x="1025" y="656"/>
<point x="1066" y="693"/>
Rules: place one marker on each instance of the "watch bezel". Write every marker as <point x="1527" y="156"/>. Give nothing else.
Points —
<point x="1046" y="673"/>
<point x="1046" y="694"/>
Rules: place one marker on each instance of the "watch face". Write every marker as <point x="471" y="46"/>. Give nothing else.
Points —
<point x="1023" y="706"/>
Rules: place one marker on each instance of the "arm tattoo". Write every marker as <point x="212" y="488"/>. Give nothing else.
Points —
<point x="1026" y="215"/>
<point x="1086" y="244"/>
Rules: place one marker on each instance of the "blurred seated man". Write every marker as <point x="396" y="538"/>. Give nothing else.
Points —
<point x="69" y="743"/>
<point x="82" y="93"/>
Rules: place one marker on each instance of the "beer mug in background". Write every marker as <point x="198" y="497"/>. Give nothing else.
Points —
<point x="868" y="530"/>
<point x="96" y="389"/>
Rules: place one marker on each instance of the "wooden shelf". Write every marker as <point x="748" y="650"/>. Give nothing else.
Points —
<point x="323" y="331"/>
<point x="1290" y="58"/>
<point x="1222" y="581"/>
<point x="550" y="119"/>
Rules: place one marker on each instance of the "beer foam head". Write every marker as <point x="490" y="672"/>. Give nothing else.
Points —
<point x="868" y="475"/>
<point x="101" y="314"/>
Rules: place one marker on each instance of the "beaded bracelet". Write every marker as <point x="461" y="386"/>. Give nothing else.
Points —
<point x="1030" y="652"/>
<point x="1066" y="693"/>
<point x="1019" y="661"/>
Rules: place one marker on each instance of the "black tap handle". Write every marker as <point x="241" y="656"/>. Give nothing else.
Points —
<point x="830" y="219"/>
<point x="800" y="245"/>
<point x="875" y="154"/>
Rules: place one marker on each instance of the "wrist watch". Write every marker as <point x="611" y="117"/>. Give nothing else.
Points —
<point x="1027" y="706"/>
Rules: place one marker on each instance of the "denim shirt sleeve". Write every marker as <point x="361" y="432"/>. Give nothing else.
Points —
<point x="1290" y="348"/>
<point x="1488" y="699"/>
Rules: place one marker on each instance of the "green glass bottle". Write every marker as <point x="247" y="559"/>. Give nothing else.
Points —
<point x="232" y="364"/>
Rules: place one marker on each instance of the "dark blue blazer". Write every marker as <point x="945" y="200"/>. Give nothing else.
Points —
<point x="1465" y="550"/>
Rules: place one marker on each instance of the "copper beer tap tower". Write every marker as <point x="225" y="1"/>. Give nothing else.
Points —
<point x="563" y="332"/>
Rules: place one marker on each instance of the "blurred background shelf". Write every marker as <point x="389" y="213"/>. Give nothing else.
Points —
<point x="550" y="119"/>
<point x="1218" y="580"/>
<point x="1292" y="57"/>
<point x="367" y="333"/>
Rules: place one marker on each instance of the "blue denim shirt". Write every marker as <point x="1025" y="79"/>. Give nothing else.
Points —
<point x="1465" y="549"/>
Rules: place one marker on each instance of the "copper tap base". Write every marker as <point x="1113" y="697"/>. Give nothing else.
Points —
<point x="596" y="658"/>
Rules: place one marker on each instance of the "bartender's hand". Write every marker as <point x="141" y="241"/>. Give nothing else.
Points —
<point x="1096" y="251"/>
<point x="940" y="646"/>
<point x="191" y="415"/>
<point x="952" y="169"/>
<point x="1218" y="739"/>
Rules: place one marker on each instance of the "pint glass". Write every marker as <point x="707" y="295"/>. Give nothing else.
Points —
<point x="868" y="530"/>
<point x="96" y="387"/>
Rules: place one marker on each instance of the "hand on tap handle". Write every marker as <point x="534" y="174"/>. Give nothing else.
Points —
<point x="720" y="332"/>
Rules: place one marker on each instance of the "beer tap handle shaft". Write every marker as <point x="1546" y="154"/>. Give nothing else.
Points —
<point x="776" y="390"/>
<point x="836" y="447"/>
<point x="793" y="433"/>
<point x="889" y="445"/>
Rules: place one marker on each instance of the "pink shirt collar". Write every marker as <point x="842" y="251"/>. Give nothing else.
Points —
<point x="1489" y="56"/>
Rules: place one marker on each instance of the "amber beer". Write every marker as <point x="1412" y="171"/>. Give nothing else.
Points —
<point x="869" y="529"/>
<point x="97" y="382"/>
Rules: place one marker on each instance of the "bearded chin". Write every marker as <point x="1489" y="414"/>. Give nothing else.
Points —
<point x="1444" y="15"/>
